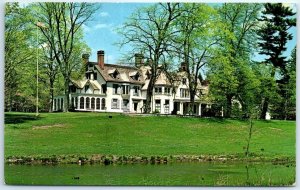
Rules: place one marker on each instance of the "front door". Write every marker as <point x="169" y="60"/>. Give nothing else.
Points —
<point x="125" y="106"/>
<point x="135" y="105"/>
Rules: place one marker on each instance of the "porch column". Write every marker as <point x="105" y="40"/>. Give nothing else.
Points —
<point x="78" y="102"/>
<point x="181" y="108"/>
<point x="200" y="109"/>
<point x="130" y="105"/>
<point x="222" y="112"/>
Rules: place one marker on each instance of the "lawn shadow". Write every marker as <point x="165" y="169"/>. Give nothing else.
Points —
<point x="10" y="118"/>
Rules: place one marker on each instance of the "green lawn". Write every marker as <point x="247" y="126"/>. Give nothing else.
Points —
<point x="96" y="133"/>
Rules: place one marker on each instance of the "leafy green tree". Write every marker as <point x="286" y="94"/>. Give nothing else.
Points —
<point x="273" y="35"/>
<point x="230" y="72"/>
<point x="18" y="52"/>
<point x="285" y="107"/>
<point x="149" y="31"/>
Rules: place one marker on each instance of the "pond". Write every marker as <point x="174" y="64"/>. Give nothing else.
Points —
<point x="172" y="174"/>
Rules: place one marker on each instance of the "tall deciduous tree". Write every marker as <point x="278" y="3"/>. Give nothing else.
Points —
<point x="197" y="36"/>
<point x="17" y="50"/>
<point x="63" y="22"/>
<point x="232" y="60"/>
<point x="273" y="35"/>
<point x="150" y="30"/>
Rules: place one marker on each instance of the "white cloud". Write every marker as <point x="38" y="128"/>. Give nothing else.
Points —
<point x="86" y="28"/>
<point x="101" y="25"/>
<point x="104" y="14"/>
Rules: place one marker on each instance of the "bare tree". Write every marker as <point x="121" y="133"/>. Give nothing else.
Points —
<point x="198" y="36"/>
<point x="150" y="30"/>
<point x="63" y="22"/>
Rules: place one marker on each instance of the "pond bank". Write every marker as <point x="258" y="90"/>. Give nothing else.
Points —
<point x="124" y="159"/>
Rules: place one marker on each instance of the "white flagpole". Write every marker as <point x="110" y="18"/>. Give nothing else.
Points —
<point x="37" y="70"/>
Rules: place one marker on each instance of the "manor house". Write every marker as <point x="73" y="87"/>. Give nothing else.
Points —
<point x="119" y="88"/>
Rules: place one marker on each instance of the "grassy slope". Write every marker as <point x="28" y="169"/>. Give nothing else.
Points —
<point x="95" y="133"/>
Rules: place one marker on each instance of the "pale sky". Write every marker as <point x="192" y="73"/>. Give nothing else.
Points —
<point x="100" y="33"/>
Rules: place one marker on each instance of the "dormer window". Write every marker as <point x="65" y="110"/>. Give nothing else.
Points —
<point x="86" y="88"/>
<point x="148" y="74"/>
<point x="115" y="74"/>
<point x="136" y="76"/>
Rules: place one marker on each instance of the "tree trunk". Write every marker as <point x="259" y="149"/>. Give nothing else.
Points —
<point x="228" y="106"/>
<point x="264" y="108"/>
<point x="265" y="104"/>
<point x="192" y="102"/>
<point x="67" y="92"/>
<point x="51" y="96"/>
<point x="149" y="95"/>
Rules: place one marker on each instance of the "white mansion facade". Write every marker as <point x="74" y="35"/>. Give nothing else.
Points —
<point x="123" y="89"/>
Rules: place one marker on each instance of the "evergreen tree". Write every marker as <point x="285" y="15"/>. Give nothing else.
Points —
<point x="273" y="36"/>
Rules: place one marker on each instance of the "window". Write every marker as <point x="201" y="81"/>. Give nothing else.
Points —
<point x="157" y="105"/>
<point x="114" y="104"/>
<point x="103" y="104"/>
<point x="167" y="106"/>
<point x="72" y="89"/>
<point x="86" y="88"/>
<point x="184" y="93"/>
<point x="58" y="104"/>
<point x="72" y="102"/>
<point x="184" y="81"/>
<point x="136" y="90"/>
<point x="87" y="75"/>
<point x="136" y="76"/>
<point x="76" y="102"/>
<point x="82" y="103"/>
<point x="87" y="103"/>
<point x="125" y="89"/>
<point x="95" y="76"/>
<point x="115" y="74"/>
<point x="125" y="105"/>
<point x="148" y="74"/>
<point x="98" y="103"/>
<point x="115" y="89"/>
<point x="158" y="90"/>
<point x="104" y="88"/>
<point x="167" y="90"/>
<point x="93" y="103"/>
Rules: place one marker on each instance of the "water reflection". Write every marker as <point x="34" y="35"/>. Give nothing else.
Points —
<point x="173" y="174"/>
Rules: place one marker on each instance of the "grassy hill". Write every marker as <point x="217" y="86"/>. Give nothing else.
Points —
<point x="96" y="133"/>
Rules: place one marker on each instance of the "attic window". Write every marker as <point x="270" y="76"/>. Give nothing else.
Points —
<point x="136" y="76"/>
<point x="115" y="74"/>
<point x="86" y="88"/>
<point x="184" y="81"/>
<point x="148" y="75"/>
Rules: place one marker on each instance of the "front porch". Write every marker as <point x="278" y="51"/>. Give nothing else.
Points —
<point x="200" y="109"/>
<point x="79" y="102"/>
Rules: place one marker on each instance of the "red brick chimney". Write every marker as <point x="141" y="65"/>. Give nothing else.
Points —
<point x="139" y="59"/>
<point x="100" y="55"/>
<point x="85" y="58"/>
<point x="183" y="66"/>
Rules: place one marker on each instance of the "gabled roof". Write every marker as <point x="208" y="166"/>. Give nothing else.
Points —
<point x="82" y="83"/>
<point x="124" y="73"/>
